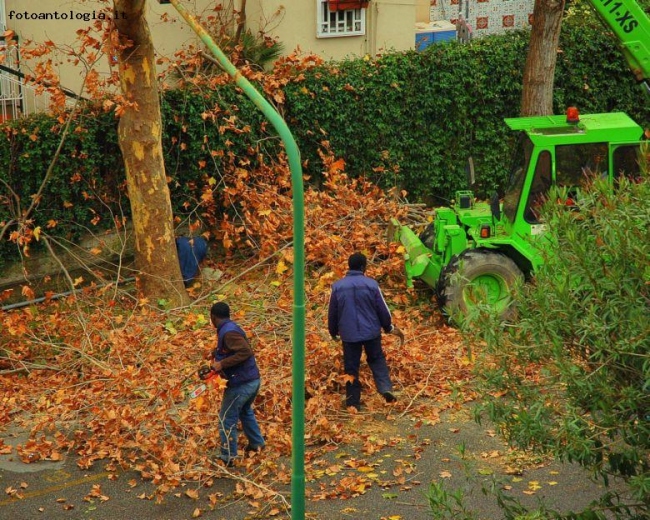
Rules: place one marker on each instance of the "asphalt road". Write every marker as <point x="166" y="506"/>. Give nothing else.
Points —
<point x="445" y="453"/>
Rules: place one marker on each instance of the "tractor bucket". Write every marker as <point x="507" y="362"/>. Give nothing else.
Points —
<point x="419" y="261"/>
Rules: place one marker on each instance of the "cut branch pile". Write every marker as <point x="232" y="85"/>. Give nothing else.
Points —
<point x="107" y="379"/>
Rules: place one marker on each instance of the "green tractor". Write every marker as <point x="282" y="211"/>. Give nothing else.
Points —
<point x="474" y="253"/>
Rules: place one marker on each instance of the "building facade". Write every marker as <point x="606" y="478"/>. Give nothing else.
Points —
<point x="332" y="29"/>
<point x="484" y="17"/>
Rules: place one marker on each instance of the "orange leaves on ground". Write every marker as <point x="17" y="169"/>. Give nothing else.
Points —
<point x="27" y="292"/>
<point x="281" y="267"/>
<point x="123" y="370"/>
<point x="96" y="493"/>
<point x="192" y="493"/>
<point x="6" y="294"/>
<point x="345" y="488"/>
<point x="38" y="449"/>
<point x="13" y="492"/>
<point x="124" y="379"/>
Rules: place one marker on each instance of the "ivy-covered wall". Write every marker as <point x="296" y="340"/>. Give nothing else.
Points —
<point x="428" y="112"/>
<point x="406" y="119"/>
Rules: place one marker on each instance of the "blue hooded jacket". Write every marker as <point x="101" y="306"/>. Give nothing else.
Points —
<point x="357" y="309"/>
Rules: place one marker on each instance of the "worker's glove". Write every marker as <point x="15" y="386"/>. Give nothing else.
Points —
<point x="397" y="332"/>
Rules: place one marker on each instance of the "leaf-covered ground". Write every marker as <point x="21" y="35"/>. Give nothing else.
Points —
<point x="106" y="377"/>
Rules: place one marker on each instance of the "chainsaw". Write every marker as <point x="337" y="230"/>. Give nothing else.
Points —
<point x="206" y="374"/>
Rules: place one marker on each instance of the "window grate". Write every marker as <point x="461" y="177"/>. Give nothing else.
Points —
<point x="348" y="22"/>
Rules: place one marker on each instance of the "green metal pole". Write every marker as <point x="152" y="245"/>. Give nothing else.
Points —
<point x="298" y="334"/>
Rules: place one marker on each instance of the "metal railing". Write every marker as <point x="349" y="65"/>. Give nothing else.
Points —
<point x="11" y="91"/>
<point x="18" y="98"/>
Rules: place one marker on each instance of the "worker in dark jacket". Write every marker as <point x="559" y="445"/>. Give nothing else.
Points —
<point x="191" y="252"/>
<point x="233" y="360"/>
<point x="358" y="313"/>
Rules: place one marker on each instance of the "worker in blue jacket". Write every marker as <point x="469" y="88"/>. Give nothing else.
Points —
<point x="358" y="313"/>
<point x="233" y="359"/>
<point x="191" y="252"/>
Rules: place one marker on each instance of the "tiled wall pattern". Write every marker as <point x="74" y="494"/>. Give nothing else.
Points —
<point x="485" y="16"/>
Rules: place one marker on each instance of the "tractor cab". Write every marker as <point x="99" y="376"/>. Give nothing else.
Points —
<point x="566" y="152"/>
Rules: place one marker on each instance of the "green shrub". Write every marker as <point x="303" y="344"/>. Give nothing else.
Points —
<point x="574" y="370"/>
<point x="85" y="176"/>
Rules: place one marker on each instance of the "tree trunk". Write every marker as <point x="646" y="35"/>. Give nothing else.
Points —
<point x="139" y="135"/>
<point x="539" y="73"/>
<point x="241" y="22"/>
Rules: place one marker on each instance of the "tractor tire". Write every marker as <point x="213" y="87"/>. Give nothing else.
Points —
<point x="475" y="278"/>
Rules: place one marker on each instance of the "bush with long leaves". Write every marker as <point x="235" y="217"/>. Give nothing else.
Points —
<point x="573" y="373"/>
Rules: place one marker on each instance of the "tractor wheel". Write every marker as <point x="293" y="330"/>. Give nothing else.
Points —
<point x="475" y="278"/>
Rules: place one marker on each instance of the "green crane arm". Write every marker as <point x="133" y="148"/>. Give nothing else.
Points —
<point x="631" y="26"/>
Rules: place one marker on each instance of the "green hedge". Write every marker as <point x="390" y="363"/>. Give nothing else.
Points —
<point x="406" y="119"/>
<point x="428" y="112"/>
<point x="85" y="178"/>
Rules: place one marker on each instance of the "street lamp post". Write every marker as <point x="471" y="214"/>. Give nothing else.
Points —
<point x="298" y="333"/>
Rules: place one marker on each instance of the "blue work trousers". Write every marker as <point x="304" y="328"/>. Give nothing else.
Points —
<point x="376" y="361"/>
<point x="237" y="405"/>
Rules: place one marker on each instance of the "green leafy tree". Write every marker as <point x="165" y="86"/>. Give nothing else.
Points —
<point x="573" y="373"/>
